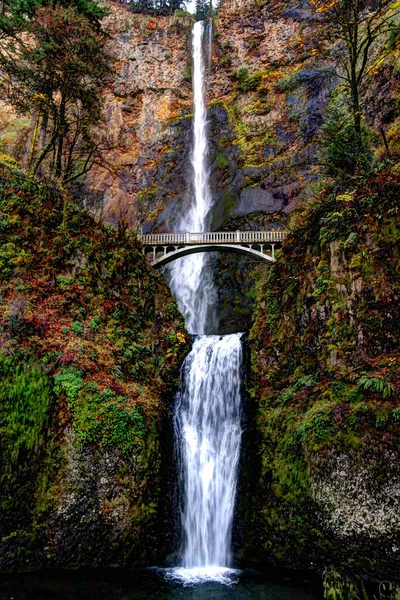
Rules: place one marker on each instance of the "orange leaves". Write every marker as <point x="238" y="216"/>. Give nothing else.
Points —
<point x="323" y="5"/>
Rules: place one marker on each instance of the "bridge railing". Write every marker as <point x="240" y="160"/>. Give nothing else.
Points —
<point x="213" y="237"/>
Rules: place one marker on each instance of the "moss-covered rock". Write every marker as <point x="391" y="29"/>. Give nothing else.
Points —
<point x="91" y="345"/>
<point x="325" y="389"/>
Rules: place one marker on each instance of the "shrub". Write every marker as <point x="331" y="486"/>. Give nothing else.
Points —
<point x="247" y="82"/>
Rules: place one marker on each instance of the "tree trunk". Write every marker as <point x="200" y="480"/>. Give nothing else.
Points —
<point x="60" y="144"/>
<point x="356" y="110"/>
<point x="30" y="152"/>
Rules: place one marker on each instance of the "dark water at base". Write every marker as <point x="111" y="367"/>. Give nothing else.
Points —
<point x="149" y="584"/>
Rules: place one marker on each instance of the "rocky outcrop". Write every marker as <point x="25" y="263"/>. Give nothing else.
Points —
<point x="274" y="100"/>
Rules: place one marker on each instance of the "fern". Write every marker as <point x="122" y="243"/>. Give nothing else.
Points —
<point x="376" y="385"/>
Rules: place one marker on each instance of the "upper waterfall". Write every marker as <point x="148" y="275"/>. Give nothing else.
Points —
<point x="191" y="278"/>
<point x="196" y="218"/>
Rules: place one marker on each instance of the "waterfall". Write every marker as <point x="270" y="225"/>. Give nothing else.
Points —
<point x="207" y="423"/>
<point x="207" y="416"/>
<point x="191" y="278"/>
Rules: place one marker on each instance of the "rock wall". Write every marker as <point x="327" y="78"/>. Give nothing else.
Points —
<point x="143" y="112"/>
<point x="274" y="102"/>
<point x="91" y="344"/>
<point x="322" y="467"/>
<point x="266" y="106"/>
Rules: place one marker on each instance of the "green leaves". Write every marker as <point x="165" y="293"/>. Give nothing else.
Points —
<point x="57" y="80"/>
<point x="246" y="81"/>
<point x="376" y="385"/>
<point x="68" y="382"/>
<point x="25" y="9"/>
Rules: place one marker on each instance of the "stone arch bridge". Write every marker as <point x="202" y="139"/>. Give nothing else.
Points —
<point x="162" y="248"/>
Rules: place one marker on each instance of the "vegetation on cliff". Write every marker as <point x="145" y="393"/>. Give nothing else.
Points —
<point x="326" y="389"/>
<point x="91" y="344"/>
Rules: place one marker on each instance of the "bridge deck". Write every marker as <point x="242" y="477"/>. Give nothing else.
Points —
<point x="213" y="237"/>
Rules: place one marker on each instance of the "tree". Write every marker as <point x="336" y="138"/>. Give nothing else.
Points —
<point x="162" y="7"/>
<point x="54" y="66"/>
<point x="203" y="10"/>
<point x="351" y="29"/>
<point x="16" y="14"/>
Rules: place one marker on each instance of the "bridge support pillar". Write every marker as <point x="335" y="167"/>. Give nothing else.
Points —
<point x="273" y="250"/>
<point x="154" y="253"/>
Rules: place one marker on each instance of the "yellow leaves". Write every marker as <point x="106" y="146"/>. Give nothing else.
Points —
<point x="348" y="197"/>
<point x="396" y="169"/>
<point x="323" y="5"/>
<point x="181" y="337"/>
<point x="39" y="98"/>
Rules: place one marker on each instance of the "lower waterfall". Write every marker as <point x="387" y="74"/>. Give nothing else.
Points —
<point x="208" y="433"/>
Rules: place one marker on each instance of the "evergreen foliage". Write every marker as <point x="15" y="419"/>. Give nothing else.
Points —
<point x="339" y="141"/>
<point x="203" y="10"/>
<point x="57" y="78"/>
<point x="162" y="7"/>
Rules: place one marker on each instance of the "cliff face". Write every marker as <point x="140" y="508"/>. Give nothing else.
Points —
<point x="273" y="101"/>
<point x="325" y="388"/>
<point x="91" y="344"/>
<point x="269" y="90"/>
<point x="143" y="108"/>
<point x="266" y="106"/>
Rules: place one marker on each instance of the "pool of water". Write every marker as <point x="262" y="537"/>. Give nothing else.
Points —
<point x="149" y="584"/>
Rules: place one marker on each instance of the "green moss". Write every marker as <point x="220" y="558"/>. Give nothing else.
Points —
<point x="187" y="73"/>
<point x="246" y="81"/>
<point x="325" y="353"/>
<point x="25" y="396"/>
<point x="105" y="419"/>
<point x="223" y="208"/>
<point x="288" y="83"/>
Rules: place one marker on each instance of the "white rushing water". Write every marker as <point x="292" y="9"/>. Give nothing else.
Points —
<point x="191" y="278"/>
<point x="208" y="423"/>
<point x="207" y="413"/>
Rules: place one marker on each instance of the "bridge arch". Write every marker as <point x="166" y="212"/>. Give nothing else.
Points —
<point x="194" y="249"/>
